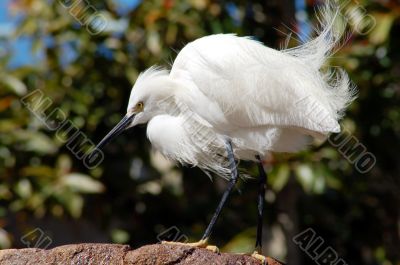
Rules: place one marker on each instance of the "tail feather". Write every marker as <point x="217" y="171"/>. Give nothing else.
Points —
<point x="330" y="35"/>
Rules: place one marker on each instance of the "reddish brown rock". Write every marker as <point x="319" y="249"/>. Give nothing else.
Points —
<point x="114" y="254"/>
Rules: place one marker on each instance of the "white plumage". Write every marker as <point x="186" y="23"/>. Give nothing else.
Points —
<point x="228" y="87"/>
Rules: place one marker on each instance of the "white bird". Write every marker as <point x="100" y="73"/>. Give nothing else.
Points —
<point x="228" y="97"/>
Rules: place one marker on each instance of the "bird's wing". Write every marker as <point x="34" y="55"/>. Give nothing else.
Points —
<point x="255" y="85"/>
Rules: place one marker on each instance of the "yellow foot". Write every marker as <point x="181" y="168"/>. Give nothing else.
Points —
<point x="198" y="244"/>
<point x="260" y="257"/>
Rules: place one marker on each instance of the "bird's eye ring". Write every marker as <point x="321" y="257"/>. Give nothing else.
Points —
<point x="139" y="106"/>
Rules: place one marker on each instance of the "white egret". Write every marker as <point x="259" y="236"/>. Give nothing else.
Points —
<point x="228" y="98"/>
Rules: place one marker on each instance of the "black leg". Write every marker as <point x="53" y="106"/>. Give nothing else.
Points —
<point x="261" y="198"/>
<point x="231" y="184"/>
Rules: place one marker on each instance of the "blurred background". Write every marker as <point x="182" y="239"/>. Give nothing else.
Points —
<point x="86" y="68"/>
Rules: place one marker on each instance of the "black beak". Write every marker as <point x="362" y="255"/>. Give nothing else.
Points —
<point x="117" y="130"/>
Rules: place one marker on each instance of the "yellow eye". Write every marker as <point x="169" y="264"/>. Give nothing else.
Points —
<point x="139" y="106"/>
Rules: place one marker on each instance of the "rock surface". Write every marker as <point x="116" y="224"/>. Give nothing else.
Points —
<point x="110" y="254"/>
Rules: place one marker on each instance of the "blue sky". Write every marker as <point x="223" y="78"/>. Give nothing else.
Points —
<point x="3" y="11"/>
<point x="21" y="47"/>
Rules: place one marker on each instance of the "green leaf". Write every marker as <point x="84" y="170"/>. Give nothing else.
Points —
<point x="279" y="177"/>
<point x="82" y="183"/>
<point x="5" y="239"/>
<point x="382" y="28"/>
<point x="24" y="188"/>
<point x="13" y="84"/>
<point x="305" y="176"/>
<point x="40" y="171"/>
<point x="319" y="184"/>
<point x="241" y="243"/>
<point x="119" y="236"/>
<point x="35" y="141"/>
<point x="75" y="205"/>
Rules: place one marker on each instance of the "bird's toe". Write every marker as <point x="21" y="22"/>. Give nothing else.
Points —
<point x="214" y="249"/>
<point x="198" y="244"/>
<point x="260" y="257"/>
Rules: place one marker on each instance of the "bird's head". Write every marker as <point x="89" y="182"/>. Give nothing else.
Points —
<point x="152" y="87"/>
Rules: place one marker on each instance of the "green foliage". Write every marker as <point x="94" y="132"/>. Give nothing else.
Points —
<point x="134" y="195"/>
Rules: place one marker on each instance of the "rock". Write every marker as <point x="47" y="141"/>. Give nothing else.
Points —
<point x="110" y="254"/>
